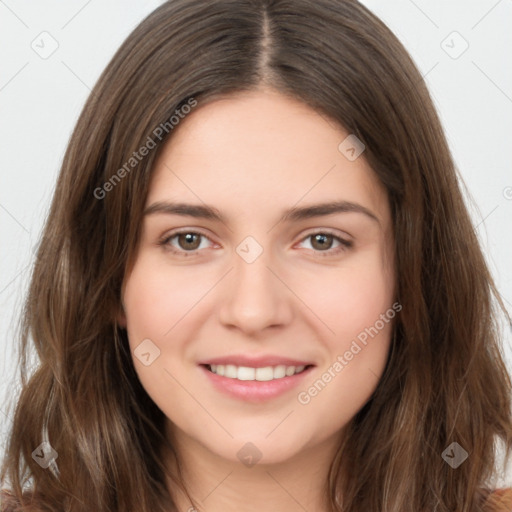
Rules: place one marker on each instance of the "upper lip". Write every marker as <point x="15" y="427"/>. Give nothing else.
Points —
<point x="255" y="361"/>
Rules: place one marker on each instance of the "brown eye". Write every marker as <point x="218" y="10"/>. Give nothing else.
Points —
<point x="322" y="241"/>
<point x="189" y="241"/>
<point x="185" y="243"/>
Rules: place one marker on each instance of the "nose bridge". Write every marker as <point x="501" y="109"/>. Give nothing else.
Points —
<point x="252" y="264"/>
<point x="256" y="297"/>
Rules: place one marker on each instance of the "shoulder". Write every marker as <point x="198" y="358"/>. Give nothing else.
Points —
<point x="499" y="500"/>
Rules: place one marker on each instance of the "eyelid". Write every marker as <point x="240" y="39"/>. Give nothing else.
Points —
<point x="329" y="231"/>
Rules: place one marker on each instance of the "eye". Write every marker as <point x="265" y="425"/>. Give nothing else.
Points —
<point x="322" y="241"/>
<point x="187" y="241"/>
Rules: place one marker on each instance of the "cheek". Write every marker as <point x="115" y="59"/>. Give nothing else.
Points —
<point x="363" y="325"/>
<point x="352" y="298"/>
<point x="361" y="315"/>
<point x="156" y="298"/>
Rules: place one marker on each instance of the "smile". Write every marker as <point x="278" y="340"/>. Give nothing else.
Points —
<point x="255" y="385"/>
<point x="247" y="373"/>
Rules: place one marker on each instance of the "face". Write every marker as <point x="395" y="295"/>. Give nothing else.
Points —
<point x="252" y="275"/>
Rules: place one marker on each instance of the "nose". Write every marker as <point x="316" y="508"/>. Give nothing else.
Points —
<point x="255" y="296"/>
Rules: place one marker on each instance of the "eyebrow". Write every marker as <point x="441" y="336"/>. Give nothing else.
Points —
<point x="292" y="214"/>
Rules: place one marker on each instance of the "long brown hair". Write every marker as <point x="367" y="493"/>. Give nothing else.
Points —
<point x="445" y="379"/>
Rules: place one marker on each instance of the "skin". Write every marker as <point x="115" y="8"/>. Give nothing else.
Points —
<point x="252" y="156"/>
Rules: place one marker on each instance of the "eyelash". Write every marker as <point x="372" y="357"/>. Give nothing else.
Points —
<point x="165" y="242"/>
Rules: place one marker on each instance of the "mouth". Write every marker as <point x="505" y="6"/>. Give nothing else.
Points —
<point x="254" y="385"/>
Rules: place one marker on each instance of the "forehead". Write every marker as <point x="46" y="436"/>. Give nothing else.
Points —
<point x="259" y="151"/>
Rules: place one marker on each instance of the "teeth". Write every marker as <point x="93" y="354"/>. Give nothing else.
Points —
<point x="261" y="374"/>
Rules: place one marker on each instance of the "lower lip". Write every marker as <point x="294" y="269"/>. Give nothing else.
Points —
<point x="254" y="390"/>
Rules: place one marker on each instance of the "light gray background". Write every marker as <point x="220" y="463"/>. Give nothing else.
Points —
<point x="41" y="98"/>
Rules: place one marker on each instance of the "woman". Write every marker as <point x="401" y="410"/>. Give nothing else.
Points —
<point x="247" y="370"/>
